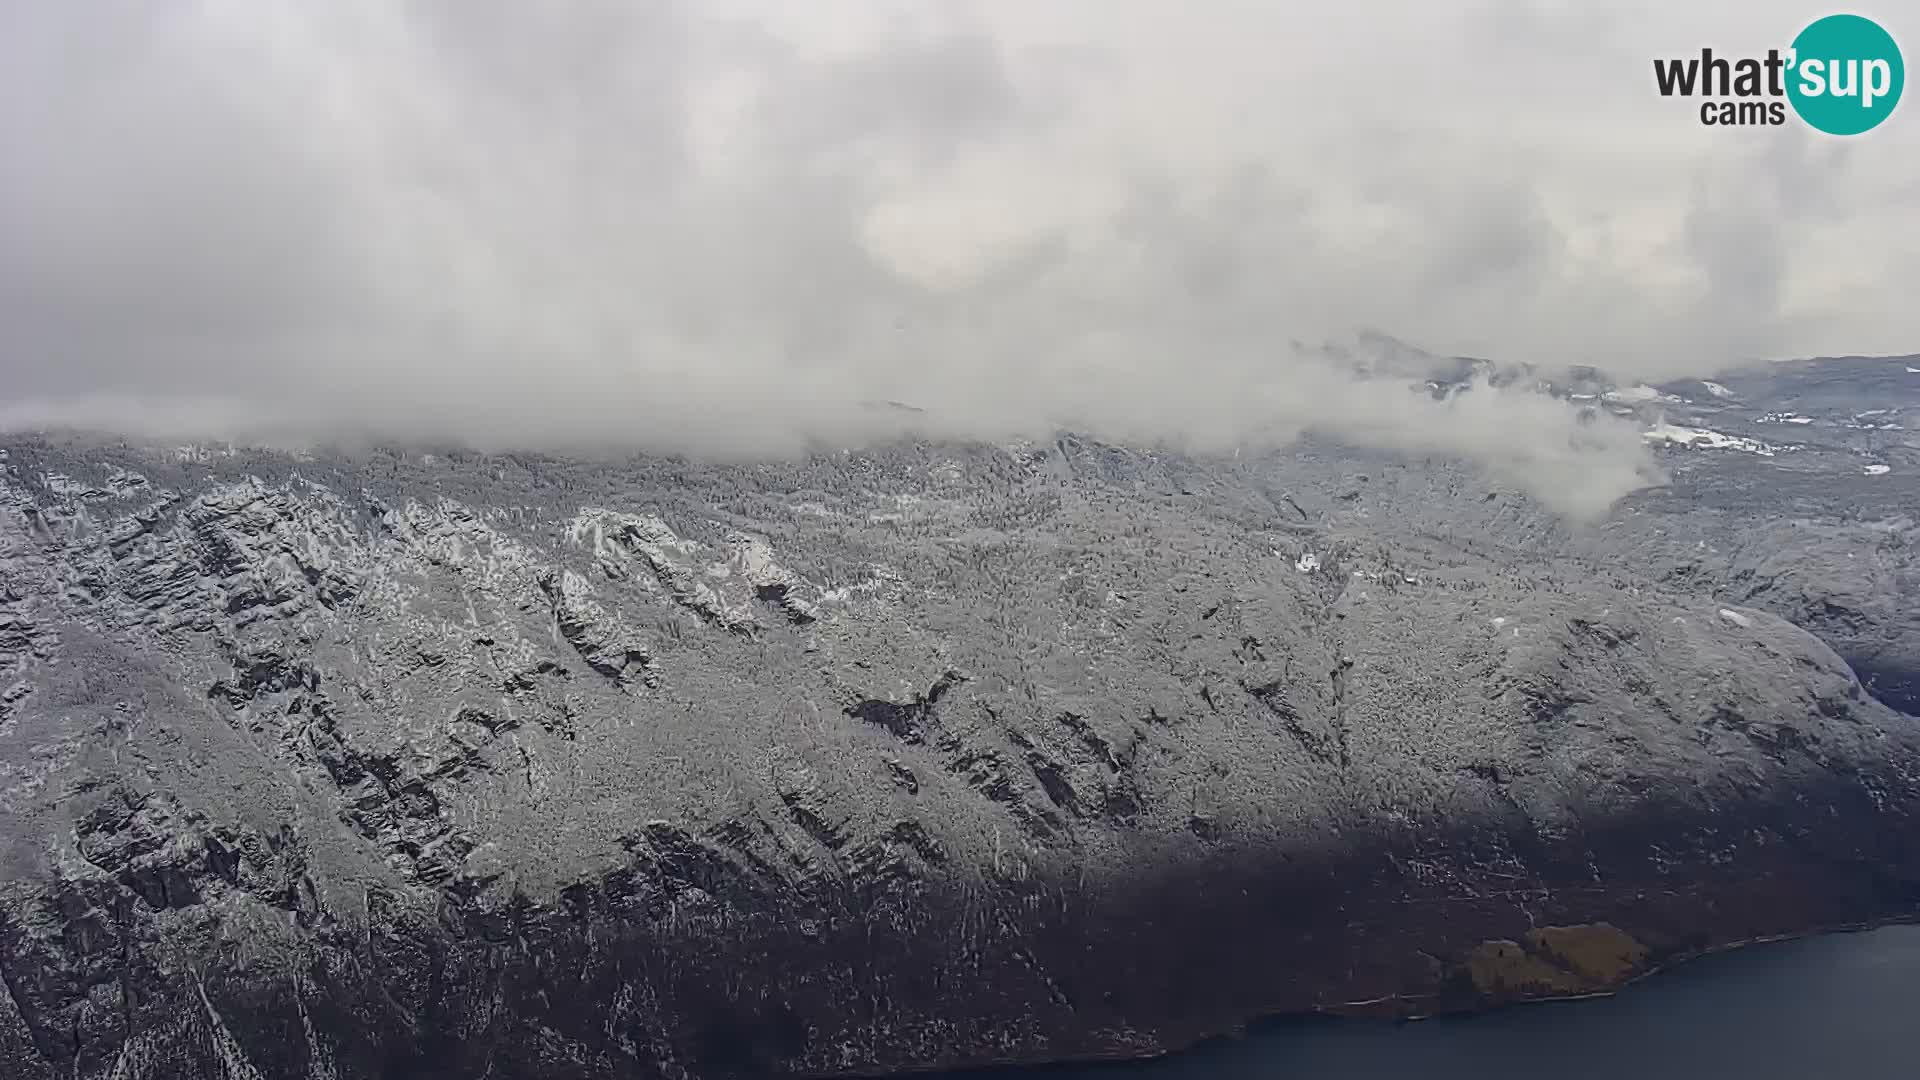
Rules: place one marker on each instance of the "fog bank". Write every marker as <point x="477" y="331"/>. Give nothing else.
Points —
<point x="724" y="227"/>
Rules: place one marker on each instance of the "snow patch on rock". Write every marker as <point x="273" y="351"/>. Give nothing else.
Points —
<point x="1703" y="439"/>
<point x="1638" y="392"/>
<point x="770" y="581"/>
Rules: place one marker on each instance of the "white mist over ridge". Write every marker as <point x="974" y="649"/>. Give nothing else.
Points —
<point x="718" y="227"/>
<point x="1577" y="464"/>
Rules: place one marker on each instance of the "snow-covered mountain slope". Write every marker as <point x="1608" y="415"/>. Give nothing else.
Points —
<point x="357" y="765"/>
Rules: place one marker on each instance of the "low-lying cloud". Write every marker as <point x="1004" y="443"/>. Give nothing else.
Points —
<point x="730" y="227"/>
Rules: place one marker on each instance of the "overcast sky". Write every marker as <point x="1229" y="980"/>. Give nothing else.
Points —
<point x="721" y="222"/>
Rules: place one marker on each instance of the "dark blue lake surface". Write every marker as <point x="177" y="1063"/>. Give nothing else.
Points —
<point x="1841" y="1007"/>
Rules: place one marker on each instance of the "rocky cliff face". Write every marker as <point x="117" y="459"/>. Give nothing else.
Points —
<point x="382" y="765"/>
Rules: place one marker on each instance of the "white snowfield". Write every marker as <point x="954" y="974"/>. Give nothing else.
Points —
<point x="1638" y="392"/>
<point x="1877" y="470"/>
<point x="1701" y="438"/>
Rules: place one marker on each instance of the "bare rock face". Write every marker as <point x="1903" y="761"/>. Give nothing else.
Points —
<point x="343" y="766"/>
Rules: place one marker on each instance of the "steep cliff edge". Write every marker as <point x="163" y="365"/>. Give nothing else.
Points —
<point x="401" y="765"/>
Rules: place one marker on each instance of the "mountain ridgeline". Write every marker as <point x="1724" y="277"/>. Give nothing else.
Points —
<point x="406" y="764"/>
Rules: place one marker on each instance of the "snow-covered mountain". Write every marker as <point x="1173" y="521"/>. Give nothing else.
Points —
<point x="396" y="763"/>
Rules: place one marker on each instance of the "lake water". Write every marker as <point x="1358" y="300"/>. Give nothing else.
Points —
<point x="1841" y="1007"/>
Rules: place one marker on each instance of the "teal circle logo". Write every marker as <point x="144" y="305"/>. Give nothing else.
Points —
<point x="1846" y="74"/>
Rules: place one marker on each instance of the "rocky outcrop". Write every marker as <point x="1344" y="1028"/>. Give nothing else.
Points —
<point x="600" y="638"/>
<point x="372" y="766"/>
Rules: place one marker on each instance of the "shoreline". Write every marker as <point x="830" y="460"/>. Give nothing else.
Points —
<point x="1338" y="1013"/>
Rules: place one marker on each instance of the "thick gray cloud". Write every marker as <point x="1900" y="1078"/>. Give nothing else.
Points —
<point x="726" y="226"/>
